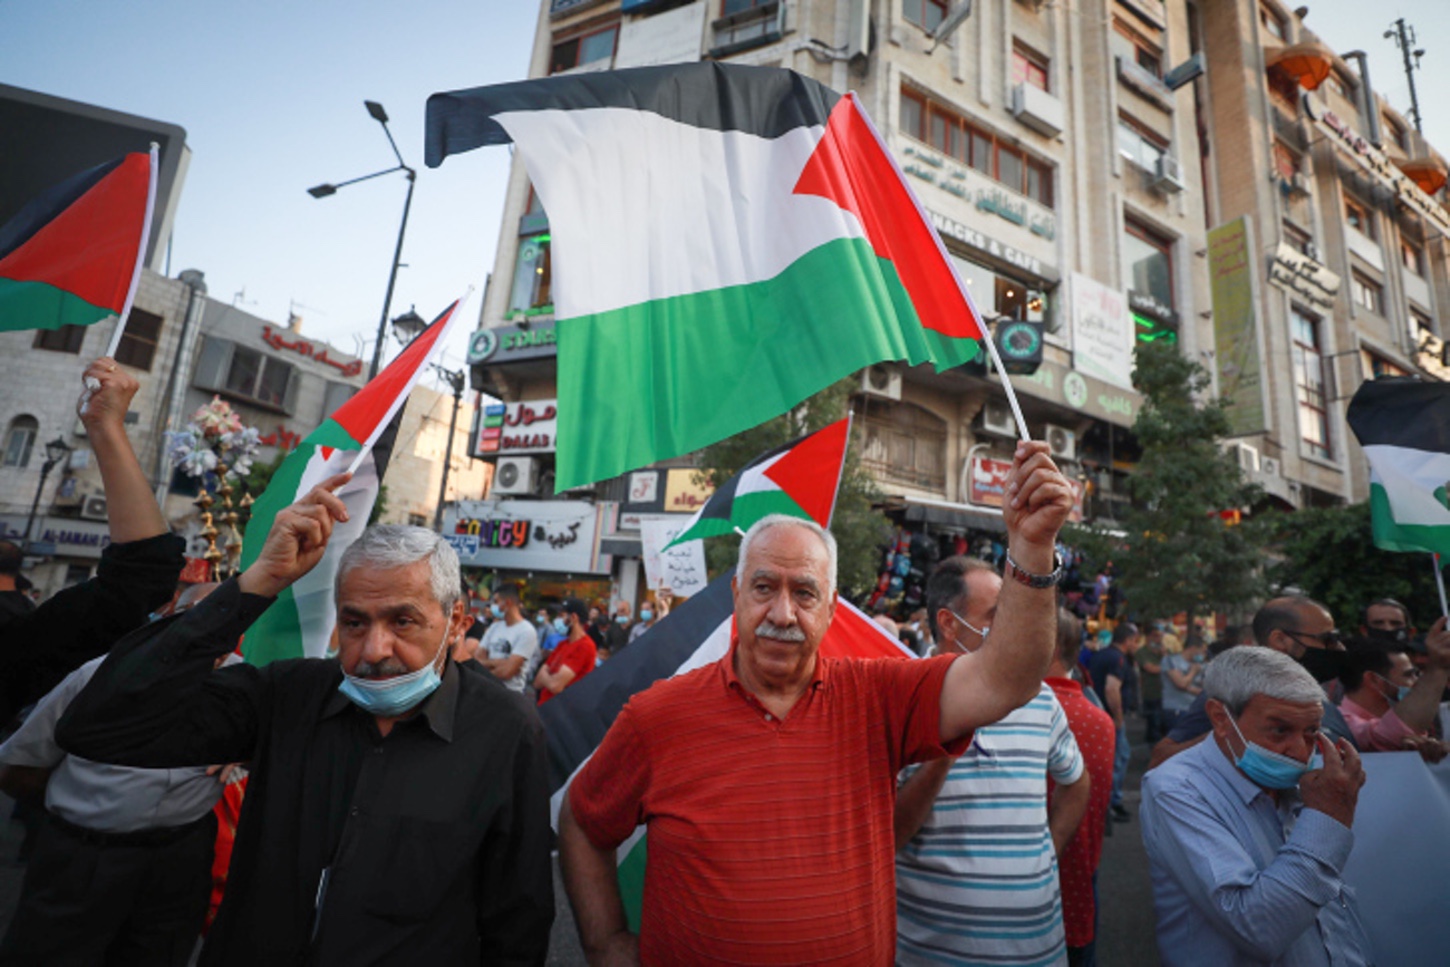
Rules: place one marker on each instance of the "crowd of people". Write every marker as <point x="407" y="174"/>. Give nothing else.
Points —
<point x="391" y="804"/>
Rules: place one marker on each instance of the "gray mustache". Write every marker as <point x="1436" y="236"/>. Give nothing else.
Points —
<point x="792" y="633"/>
<point x="386" y="668"/>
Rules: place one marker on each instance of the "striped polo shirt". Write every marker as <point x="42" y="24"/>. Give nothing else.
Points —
<point x="978" y="883"/>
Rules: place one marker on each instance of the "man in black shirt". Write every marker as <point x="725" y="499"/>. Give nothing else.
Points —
<point x="398" y="806"/>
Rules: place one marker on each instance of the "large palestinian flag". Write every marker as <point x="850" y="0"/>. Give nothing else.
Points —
<point x="695" y="634"/>
<point x="1404" y="426"/>
<point x="799" y="478"/>
<point x="71" y="256"/>
<point x="299" y="623"/>
<point x="726" y="241"/>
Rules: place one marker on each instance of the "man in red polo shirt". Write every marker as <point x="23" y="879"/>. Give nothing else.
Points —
<point x="767" y="779"/>
<point x="572" y="658"/>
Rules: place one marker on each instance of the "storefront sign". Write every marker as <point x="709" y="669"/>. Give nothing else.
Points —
<point x="1102" y="332"/>
<point x="988" y="485"/>
<point x="682" y="567"/>
<point x="1146" y="304"/>
<point x="672" y="37"/>
<point x="974" y="239"/>
<point x="1303" y="276"/>
<point x="986" y="194"/>
<point x="66" y="537"/>
<point x="1379" y="166"/>
<point x="1235" y="334"/>
<point x="687" y="490"/>
<point x="317" y="352"/>
<point x="545" y="535"/>
<point x="1091" y="397"/>
<point x="509" y="428"/>
<point x="512" y="344"/>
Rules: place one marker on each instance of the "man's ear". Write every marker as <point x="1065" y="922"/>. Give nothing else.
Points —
<point x="1218" y="717"/>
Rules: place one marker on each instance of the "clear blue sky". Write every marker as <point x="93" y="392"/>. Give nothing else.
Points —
<point x="270" y="94"/>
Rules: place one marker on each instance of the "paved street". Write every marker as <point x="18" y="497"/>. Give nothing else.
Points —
<point x="1126" y="938"/>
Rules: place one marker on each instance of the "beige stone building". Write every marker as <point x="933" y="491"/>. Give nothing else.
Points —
<point x="415" y="470"/>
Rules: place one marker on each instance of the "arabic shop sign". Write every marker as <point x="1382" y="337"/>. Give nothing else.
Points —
<point x="1303" y="276"/>
<point x="988" y="485"/>
<point x="1068" y="387"/>
<point x="986" y="194"/>
<point x="559" y="536"/>
<point x="1380" y="167"/>
<point x="687" y="490"/>
<point x="527" y="427"/>
<point x="972" y="238"/>
<point x="512" y="344"/>
<point x="317" y="352"/>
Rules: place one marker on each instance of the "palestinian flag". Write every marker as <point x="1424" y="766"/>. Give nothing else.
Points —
<point x="299" y="623"/>
<point x="695" y="634"/>
<point x="72" y="256"/>
<point x="1404" y="426"/>
<point x="726" y="241"/>
<point x="799" y="478"/>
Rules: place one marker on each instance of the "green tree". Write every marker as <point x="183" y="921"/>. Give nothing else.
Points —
<point x="1172" y="551"/>
<point x="1329" y="554"/>
<point x="859" y="530"/>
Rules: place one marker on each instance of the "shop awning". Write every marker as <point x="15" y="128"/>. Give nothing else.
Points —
<point x="947" y="514"/>
<point x="621" y="546"/>
<point x="1306" y="64"/>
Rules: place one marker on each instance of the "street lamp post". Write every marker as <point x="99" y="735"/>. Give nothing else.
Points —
<point x="55" y="452"/>
<point x="322" y="191"/>
<point x="456" y="380"/>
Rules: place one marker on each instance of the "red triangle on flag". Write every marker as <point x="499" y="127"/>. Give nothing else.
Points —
<point x="363" y="416"/>
<point x="810" y="471"/>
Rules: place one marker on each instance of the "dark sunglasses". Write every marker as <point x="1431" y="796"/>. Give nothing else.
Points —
<point x="1326" y="639"/>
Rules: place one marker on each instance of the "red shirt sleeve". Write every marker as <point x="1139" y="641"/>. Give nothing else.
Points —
<point x="580" y="656"/>
<point x="911" y="695"/>
<point x="607" y="795"/>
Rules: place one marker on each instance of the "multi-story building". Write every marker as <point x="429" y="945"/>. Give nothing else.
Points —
<point x="1102" y="169"/>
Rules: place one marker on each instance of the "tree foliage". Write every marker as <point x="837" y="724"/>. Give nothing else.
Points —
<point x="1329" y="554"/>
<point x="1173" y="551"/>
<point x="859" y="530"/>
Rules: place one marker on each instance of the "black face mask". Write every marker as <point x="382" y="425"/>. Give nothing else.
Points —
<point x="1388" y="636"/>
<point x="1323" y="664"/>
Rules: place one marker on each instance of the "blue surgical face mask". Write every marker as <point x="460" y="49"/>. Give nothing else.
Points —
<point x="1400" y="690"/>
<point x="645" y="614"/>
<point x="1271" y="769"/>
<point x="561" y="626"/>
<point x="496" y="611"/>
<point x="622" y="618"/>
<point x="390" y="697"/>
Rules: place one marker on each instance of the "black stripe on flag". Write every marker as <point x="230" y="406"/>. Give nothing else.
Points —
<point x="43" y="208"/>
<point x="575" y="721"/>
<point x="1402" y="411"/>
<point x="766" y="101"/>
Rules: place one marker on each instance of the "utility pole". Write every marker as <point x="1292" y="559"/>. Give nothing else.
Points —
<point x="1404" y="37"/>
<point x="456" y="380"/>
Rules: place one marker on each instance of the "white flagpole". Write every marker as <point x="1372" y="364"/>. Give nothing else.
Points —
<point x="1440" y="585"/>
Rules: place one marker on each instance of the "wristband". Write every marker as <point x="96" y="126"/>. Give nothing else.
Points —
<point x="1038" y="581"/>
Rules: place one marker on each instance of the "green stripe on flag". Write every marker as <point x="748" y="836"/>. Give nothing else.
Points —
<point x="277" y="633"/>
<point x="662" y="378"/>
<point x="39" y="305"/>
<point x="331" y="434"/>
<point x="745" y="510"/>
<point x="631" y="882"/>
<point x="1391" y="535"/>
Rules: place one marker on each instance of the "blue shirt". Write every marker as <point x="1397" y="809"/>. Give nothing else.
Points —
<point x="1239" y="880"/>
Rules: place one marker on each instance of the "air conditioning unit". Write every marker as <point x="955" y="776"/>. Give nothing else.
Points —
<point x="1168" y="175"/>
<point x="883" y="381"/>
<point x="94" y="507"/>
<point x="1296" y="186"/>
<point x="1269" y="466"/>
<point x="1061" y="442"/>
<point x="997" y="418"/>
<point x="515" y="475"/>
<point x="1247" y="456"/>
<point x="1037" y="109"/>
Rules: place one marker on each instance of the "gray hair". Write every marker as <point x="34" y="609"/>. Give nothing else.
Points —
<point x="388" y="546"/>
<point x="783" y="520"/>
<point x="1239" y="674"/>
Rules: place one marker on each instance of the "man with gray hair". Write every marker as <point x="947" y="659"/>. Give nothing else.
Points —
<point x="397" y="811"/>
<point x="1248" y="833"/>
<point x="766" y="779"/>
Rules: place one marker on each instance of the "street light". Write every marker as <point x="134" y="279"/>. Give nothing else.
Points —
<point x="407" y="326"/>
<point x="55" y="452"/>
<point x="322" y="191"/>
<point x="456" y="380"/>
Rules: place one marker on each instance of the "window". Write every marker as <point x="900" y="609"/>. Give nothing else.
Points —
<point x="926" y="14"/>
<point x="1139" y="145"/>
<point x="417" y="520"/>
<point x="1356" y="214"/>
<point x="905" y="443"/>
<point x="1424" y="326"/>
<point x="746" y="23"/>
<point x="954" y="136"/>
<point x="1412" y="257"/>
<point x="138" y="342"/>
<point x="1286" y="162"/>
<point x="1148" y="262"/>
<point x="584" y="49"/>
<point x="20" y="441"/>
<point x="258" y="378"/>
<point x="1309" y="383"/>
<point x="1368" y="294"/>
<point x="532" y="292"/>
<point x="1004" y="295"/>
<point x="1299" y="241"/>
<point x="1146" y="54"/>
<point x="1028" y="67"/>
<point x="66" y="339"/>
<point x="1379" y="367"/>
<point x="1396" y="131"/>
<point x="1272" y="24"/>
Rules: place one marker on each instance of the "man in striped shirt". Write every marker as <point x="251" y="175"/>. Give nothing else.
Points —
<point x="977" y="845"/>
